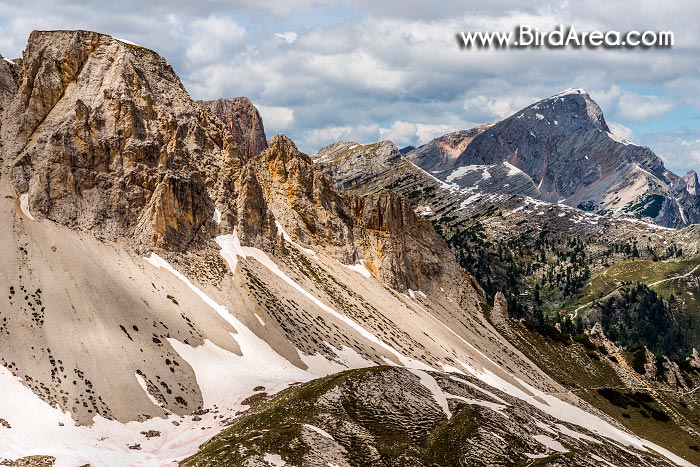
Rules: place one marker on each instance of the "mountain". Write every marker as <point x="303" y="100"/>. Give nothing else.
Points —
<point x="565" y="147"/>
<point x="164" y="266"/>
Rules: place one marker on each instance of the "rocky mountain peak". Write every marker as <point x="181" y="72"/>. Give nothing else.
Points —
<point x="243" y="121"/>
<point x="101" y="135"/>
<point x="572" y="110"/>
<point x="353" y="163"/>
<point x="284" y="150"/>
<point x="691" y="182"/>
<point x="565" y="147"/>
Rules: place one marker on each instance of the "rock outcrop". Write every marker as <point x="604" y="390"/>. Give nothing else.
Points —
<point x="381" y="229"/>
<point x="102" y="136"/>
<point x="443" y="152"/>
<point x="243" y="121"/>
<point x="351" y="166"/>
<point x="691" y="182"/>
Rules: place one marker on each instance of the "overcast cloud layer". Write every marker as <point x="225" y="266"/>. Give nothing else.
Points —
<point x="370" y="70"/>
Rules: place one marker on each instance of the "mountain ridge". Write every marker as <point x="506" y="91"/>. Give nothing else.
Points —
<point x="565" y="146"/>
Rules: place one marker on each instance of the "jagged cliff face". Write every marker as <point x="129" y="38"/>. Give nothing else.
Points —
<point x="381" y="230"/>
<point x="565" y="147"/>
<point x="101" y="136"/>
<point x="243" y="121"/>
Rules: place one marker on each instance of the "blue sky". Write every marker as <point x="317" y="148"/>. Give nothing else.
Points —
<point x="369" y="70"/>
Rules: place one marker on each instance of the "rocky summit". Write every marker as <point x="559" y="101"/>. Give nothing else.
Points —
<point x="565" y="147"/>
<point x="179" y="288"/>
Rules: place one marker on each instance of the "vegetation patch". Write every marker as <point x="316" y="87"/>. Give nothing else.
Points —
<point x="638" y="400"/>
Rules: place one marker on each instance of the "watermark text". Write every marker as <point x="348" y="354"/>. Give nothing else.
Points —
<point x="524" y="37"/>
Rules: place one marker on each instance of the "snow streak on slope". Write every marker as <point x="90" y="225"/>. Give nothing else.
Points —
<point x="24" y="205"/>
<point x="571" y="414"/>
<point x="557" y="408"/>
<point x="226" y="379"/>
<point x="231" y="249"/>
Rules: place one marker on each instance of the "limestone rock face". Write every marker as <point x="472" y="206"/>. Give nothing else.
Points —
<point x="672" y="375"/>
<point x="443" y="152"/>
<point x="243" y="121"/>
<point x="8" y="81"/>
<point x="8" y="86"/>
<point x="694" y="359"/>
<point x="103" y="137"/>
<point x="401" y="247"/>
<point x="650" y="368"/>
<point x="398" y="247"/>
<point x="691" y="182"/>
<point x="352" y="165"/>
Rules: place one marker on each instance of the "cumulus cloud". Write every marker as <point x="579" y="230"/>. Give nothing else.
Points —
<point x="319" y="137"/>
<point x="636" y="107"/>
<point x="413" y="134"/>
<point x="621" y="131"/>
<point x="276" y="119"/>
<point x="289" y="37"/>
<point x="679" y="149"/>
<point x="212" y="36"/>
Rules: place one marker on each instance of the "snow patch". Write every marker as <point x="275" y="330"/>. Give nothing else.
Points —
<point x="570" y="91"/>
<point x="512" y="170"/>
<point x="144" y="386"/>
<point x="413" y="293"/>
<point x="489" y="405"/>
<point x="462" y="171"/>
<point x="288" y="239"/>
<point x="359" y="268"/>
<point x="260" y="320"/>
<point x="274" y="459"/>
<point x="432" y="386"/>
<point x="127" y="41"/>
<point x="318" y="430"/>
<point x="24" y="205"/>
<point x="550" y="443"/>
<point x="575" y="434"/>
<point x="217" y="216"/>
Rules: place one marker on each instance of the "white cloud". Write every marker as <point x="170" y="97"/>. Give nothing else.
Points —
<point x="620" y="130"/>
<point x="679" y="149"/>
<point x="211" y="37"/>
<point x="636" y="107"/>
<point x="495" y="108"/>
<point x="406" y="133"/>
<point x="319" y="137"/>
<point x="275" y="118"/>
<point x="289" y="37"/>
